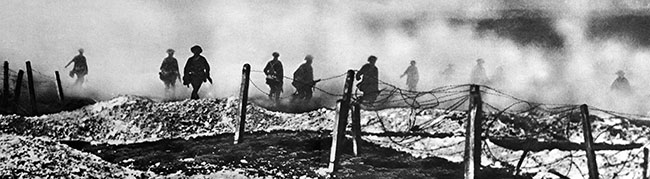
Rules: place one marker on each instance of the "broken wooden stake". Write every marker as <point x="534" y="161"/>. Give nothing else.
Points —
<point x="243" y="101"/>
<point x="340" y="122"/>
<point x="17" y="89"/>
<point x="356" y="128"/>
<point x="5" y="86"/>
<point x="59" y="87"/>
<point x="473" y="130"/>
<point x="32" y="91"/>
<point x="589" y="143"/>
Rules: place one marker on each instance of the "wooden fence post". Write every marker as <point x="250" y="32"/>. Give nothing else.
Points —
<point x="589" y="143"/>
<point x="19" y="85"/>
<point x="356" y="128"/>
<point x="17" y="89"/>
<point x="473" y="132"/>
<point x="340" y="122"/>
<point x="5" y="86"/>
<point x="644" y="165"/>
<point x="59" y="86"/>
<point x="32" y="91"/>
<point x="243" y="99"/>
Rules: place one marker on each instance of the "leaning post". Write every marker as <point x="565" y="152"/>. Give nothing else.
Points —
<point x="473" y="132"/>
<point x="5" y="86"/>
<point x="243" y="99"/>
<point x="340" y="122"/>
<point x="589" y="143"/>
<point x="356" y="128"/>
<point x="32" y="91"/>
<point x="59" y="87"/>
<point x="19" y="85"/>
<point x="17" y="89"/>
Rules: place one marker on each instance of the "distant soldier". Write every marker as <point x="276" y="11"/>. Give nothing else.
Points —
<point x="274" y="74"/>
<point x="621" y="85"/>
<point x="412" y="76"/>
<point x="80" y="67"/>
<point x="478" y="73"/>
<point x="498" y="78"/>
<point x="370" y="83"/>
<point x="169" y="70"/>
<point x="448" y="72"/>
<point x="197" y="71"/>
<point x="303" y="80"/>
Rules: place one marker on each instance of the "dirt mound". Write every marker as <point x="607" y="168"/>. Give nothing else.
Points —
<point x="36" y="157"/>
<point x="132" y="118"/>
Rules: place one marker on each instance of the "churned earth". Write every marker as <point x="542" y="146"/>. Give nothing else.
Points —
<point x="134" y="137"/>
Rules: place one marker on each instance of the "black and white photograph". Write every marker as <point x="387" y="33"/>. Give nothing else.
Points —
<point x="311" y="89"/>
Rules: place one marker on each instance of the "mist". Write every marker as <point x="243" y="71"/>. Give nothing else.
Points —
<point x="125" y="42"/>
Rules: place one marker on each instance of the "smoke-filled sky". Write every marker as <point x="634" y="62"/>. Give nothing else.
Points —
<point x="125" y="41"/>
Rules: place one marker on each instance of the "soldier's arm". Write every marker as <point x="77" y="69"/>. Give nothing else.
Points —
<point x="66" y="66"/>
<point x="204" y="63"/>
<point x="363" y="70"/>
<point x="267" y="68"/>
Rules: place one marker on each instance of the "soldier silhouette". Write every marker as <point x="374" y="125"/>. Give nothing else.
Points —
<point x="80" y="67"/>
<point x="197" y="71"/>
<point x="370" y="83"/>
<point x="274" y="74"/>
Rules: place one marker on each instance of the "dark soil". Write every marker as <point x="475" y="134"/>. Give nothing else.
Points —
<point x="282" y="154"/>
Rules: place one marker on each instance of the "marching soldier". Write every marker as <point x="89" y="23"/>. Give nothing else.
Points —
<point x="303" y="80"/>
<point x="80" y="67"/>
<point x="169" y="70"/>
<point x="621" y="85"/>
<point x="274" y="74"/>
<point x="370" y="83"/>
<point x="412" y="76"/>
<point x="197" y="71"/>
<point x="478" y="73"/>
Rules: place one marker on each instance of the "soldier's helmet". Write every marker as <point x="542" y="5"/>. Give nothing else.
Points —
<point x="81" y="50"/>
<point x="196" y="49"/>
<point x="275" y="54"/>
<point x="372" y="58"/>
<point x="170" y="50"/>
<point x="480" y="61"/>
<point x="309" y="58"/>
<point x="620" y="73"/>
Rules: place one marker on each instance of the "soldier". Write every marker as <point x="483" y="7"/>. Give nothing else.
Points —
<point x="621" y="85"/>
<point x="169" y="70"/>
<point x="370" y="83"/>
<point x="274" y="74"/>
<point x="303" y="80"/>
<point x="498" y="77"/>
<point x="478" y="73"/>
<point x="80" y="67"/>
<point x="448" y="72"/>
<point x="412" y="76"/>
<point x="197" y="71"/>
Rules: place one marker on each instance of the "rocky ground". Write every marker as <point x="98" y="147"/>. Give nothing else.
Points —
<point x="425" y="137"/>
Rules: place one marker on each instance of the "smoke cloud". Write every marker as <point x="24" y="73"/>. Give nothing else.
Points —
<point x="125" y="42"/>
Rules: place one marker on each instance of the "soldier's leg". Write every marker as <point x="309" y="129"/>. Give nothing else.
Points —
<point x="277" y="91"/>
<point x="271" y="92"/>
<point x="196" y="85"/>
<point x="80" y="79"/>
